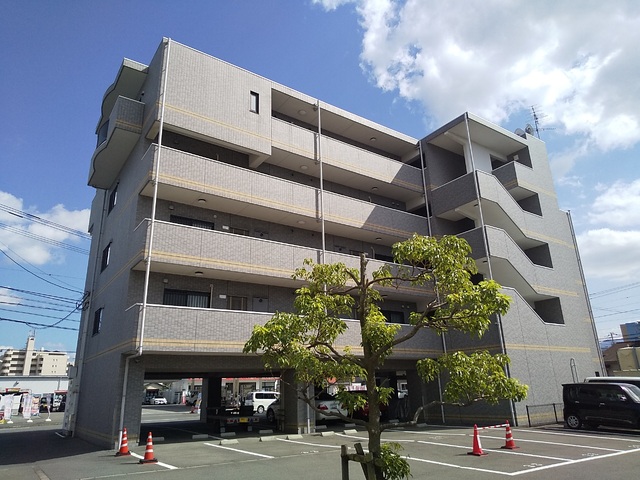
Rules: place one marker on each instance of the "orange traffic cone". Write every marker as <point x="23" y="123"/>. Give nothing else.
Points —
<point x="477" y="448"/>
<point x="124" y="445"/>
<point x="510" y="444"/>
<point x="148" y="453"/>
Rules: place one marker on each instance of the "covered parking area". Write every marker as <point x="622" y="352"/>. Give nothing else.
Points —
<point x="294" y="416"/>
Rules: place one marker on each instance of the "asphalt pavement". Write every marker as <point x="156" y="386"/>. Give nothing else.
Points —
<point x="37" y="451"/>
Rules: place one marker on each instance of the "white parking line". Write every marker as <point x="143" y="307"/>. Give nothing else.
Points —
<point x="559" y="444"/>
<point x="436" y="434"/>
<point x="367" y="438"/>
<point x="164" y="465"/>
<point x="495" y="450"/>
<point x="521" y="472"/>
<point x="588" y="459"/>
<point x="583" y="435"/>
<point x="307" y="443"/>
<point x="455" y="466"/>
<point x="238" y="450"/>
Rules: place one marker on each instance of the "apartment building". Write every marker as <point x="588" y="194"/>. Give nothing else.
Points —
<point x="213" y="184"/>
<point x="32" y="362"/>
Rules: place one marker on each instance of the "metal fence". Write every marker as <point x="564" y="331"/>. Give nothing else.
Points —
<point x="545" y="414"/>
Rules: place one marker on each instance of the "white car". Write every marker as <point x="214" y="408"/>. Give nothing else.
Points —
<point x="261" y="400"/>
<point x="159" y="401"/>
<point x="328" y="403"/>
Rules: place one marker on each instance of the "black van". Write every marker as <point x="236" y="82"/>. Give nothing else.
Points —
<point x="593" y="404"/>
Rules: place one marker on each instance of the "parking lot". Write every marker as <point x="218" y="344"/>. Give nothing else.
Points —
<point x="433" y="452"/>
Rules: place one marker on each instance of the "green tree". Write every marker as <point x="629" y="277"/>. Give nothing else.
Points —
<point x="306" y="341"/>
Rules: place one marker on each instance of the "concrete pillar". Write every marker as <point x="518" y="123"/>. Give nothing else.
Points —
<point x="133" y="402"/>
<point x="392" y="407"/>
<point x="214" y="391"/>
<point x="421" y="393"/>
<point x="297" y="416"/>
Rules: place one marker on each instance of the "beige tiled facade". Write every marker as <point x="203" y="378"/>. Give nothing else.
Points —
<point x="205" y="205"/>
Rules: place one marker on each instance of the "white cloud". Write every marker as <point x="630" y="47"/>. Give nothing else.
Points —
<point x="8" y="298"/>
<point x="610" y="254"/>
<point x="332" y="4"/>
<point x="577" y="63"/>
<point x="17" y="233"/>
<point x="617" y="205"/>
<point x="563" y="162"/>
<point x="572" y="181"/>
<point x="609" y="251"/>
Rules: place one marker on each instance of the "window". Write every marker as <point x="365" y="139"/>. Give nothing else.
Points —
<point x="192" y="222"/>
<point x="236" y="303"/>
<point x="97" y="321"/>
<point x="393" y="316"/>
<point x="106" y="254"/>
<point x="113" y="198"/>
<point x="254" y="105"/>
<point x="238" y="231"/>
<point x="185" y="298"/>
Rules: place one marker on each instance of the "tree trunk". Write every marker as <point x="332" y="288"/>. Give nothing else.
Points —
<point x="375" y="447"/>
<point x="373" y="425"/>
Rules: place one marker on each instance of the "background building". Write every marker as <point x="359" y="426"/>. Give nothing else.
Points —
<point x="630" y="331"/>
<point x="213" y="184"/>
<point x="32" y="362"/>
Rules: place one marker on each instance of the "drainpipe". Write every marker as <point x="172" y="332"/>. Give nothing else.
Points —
<point x="147" y="272"/>
<point x="423" y="164"/>
<point x="316" y="107"/>
<point x="70" y="413"/>
<point x="486" y="247"/>
<point x="586" y="295"/>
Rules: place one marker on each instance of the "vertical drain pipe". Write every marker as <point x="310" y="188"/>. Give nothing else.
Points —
<point x="316" y="107"/>
<point x="154" y="202"/>
<point x="423" y="164"/>
<point x="603" y="368"/>
<point x="148" y="257"/>
<point x="486" y="249"/>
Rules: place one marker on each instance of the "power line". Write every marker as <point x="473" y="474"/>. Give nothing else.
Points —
<point x="43" y="221"/>
<point x="27" y="305"/>
<point x="618" y="313"/>
<point x="32" y="273"/>
<point x="37" y="325"/>
<point x="36" y="314"/>
<point x="39" y="294"/>
<point x="43" y="239"/>
<point x="611" y="291"/>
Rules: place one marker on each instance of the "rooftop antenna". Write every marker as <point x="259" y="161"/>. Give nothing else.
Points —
<point x="536" y="121"/>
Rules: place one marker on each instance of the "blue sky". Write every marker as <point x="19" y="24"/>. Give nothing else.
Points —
<point x="409" y="65"/>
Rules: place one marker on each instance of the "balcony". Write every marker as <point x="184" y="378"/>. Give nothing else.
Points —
<point x="511" y="266"/>
<point x="517" y="179"/>
<point x="294" y="148"/>
<point x="116" y="140"/>
<point x="183" y="250"/>
<point x="457" y="200"/>
<point x="201" y="330"/>
<point x="193" y="180"/>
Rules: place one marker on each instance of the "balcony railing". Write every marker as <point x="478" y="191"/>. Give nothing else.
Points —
<point x="349" y="159"/>
<point x="201" y="330"/>
<point x="116" y="141"/>
<point x="269" y="198"/>
<point x="181" y="248"/>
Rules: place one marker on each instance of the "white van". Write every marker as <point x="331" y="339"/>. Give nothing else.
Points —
<point x="261" y="400"/>
<point x="632" y="380"/>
